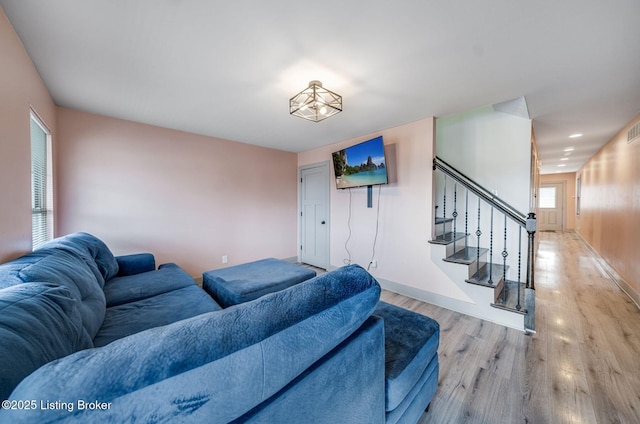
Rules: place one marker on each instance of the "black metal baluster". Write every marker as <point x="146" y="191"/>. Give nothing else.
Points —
<point x="455" y="215"/>
<point x="466" y="220"/>
<point x="491" y="250"/>
<point x="504" y="263"/>
<point x="444" y="210"/>
<point x="518" y="306"/>
<point x="478" y="234"/>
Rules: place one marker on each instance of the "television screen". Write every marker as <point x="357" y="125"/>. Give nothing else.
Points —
<point x="361" y="165"/>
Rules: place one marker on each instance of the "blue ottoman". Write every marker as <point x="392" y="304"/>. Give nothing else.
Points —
<point x="411" y="362"/>
<point x="245" y="282"/>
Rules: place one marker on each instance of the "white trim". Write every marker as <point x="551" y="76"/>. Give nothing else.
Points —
<point x="497" y="316"/>
<point x="49" y="201"/>
<point x="38" y="120"/>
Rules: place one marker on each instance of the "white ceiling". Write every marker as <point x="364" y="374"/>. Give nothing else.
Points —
<point x="227" y="69"/>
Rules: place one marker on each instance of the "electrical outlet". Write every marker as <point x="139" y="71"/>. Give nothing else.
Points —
<point x="374" y="264"/>
<point x="225" y="259"/>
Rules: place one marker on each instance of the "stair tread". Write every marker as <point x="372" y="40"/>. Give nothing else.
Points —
<point x="482" y="276"/>
<point x="443" y="220"/>
<point x="447" y="238"/>
<point x="511" y="303"/>
<point x="467" y="255"/>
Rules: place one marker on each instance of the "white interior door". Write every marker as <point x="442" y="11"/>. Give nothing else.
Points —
<point x="551" y="207"/>
<point x="314" y="225"/>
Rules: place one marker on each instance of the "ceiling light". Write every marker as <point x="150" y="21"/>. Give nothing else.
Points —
<point x="315" y="103"/>
<point x="575" y="135"/>
<point x="569" y="149"/>
<point x="563" y="164"/>
<point x="564" y="159"/>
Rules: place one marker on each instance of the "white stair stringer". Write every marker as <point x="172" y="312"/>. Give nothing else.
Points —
<point x="482" y="297"/>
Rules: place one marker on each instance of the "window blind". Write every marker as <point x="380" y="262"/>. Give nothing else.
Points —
<point x="41" y="192"/>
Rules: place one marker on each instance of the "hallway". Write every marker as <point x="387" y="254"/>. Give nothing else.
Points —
<point x="582" y="366"/>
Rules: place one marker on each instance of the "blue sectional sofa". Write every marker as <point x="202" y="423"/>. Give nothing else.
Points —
<point x="89" y="337"/>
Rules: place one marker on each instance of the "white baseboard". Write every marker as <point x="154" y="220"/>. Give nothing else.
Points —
<point x="423" y="295"/>
<point x="500" y="317"/>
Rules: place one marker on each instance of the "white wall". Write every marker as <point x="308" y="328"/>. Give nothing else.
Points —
<point x="402" y="249"/>
<point x="491" y="147"/>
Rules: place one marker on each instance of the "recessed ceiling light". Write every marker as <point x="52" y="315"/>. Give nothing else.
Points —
<point x="569" y="149"/>
<point x="563" y="164"/>
<point x="575" y="135"/>
<point x="564" y="159"/>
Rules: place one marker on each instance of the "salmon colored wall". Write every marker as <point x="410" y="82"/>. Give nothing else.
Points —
<point x="20" y="88"/>
<point x="186" y="198"/>
<point x="569" y="180"/>
<point x="610" y="205"/>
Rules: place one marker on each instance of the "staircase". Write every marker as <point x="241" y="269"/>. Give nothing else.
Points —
<point x="486" y="247"/>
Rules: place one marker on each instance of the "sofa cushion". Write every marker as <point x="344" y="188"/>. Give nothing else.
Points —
<point x="64" y="268"/>
<point x="130" y="318"/>
<point x="411" y="342"/>
<point x="135" y="263"/>
<point x="132" y="288"/>
<point x="39" y="323"/>
<point x="9" y="274"/>
<point x="213" y="367"/>
<point x="90" y="248"/>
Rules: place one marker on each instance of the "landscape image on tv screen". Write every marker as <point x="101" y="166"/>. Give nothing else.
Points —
<point x="361" y="165"/>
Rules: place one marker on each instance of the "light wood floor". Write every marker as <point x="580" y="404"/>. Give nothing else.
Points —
<point x="582" y="366"/>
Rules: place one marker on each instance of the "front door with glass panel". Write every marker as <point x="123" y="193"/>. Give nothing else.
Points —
<point x="551" y="207"/>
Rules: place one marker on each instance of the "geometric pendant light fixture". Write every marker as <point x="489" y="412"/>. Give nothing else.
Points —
<point x="315" y="103"/>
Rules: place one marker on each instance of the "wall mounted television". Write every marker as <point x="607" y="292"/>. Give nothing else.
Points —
<point x="361" y="165"/>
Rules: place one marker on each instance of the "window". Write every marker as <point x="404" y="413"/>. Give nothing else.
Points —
<point x="547" y="197"/>
<point x="41" y="183"/>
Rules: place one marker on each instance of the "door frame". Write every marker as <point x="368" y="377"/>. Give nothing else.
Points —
<point x="326" y="165"/>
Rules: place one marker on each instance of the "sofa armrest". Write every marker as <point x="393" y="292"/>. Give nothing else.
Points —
<point x="345" y="386"/>
<point x="135" y="264"/>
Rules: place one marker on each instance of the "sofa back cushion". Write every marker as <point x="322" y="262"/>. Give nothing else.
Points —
<point x="9" y="274"/>
<point x="93" y="251"/>
<point x="39" y="323"/>
<point x="67" y="269"/>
